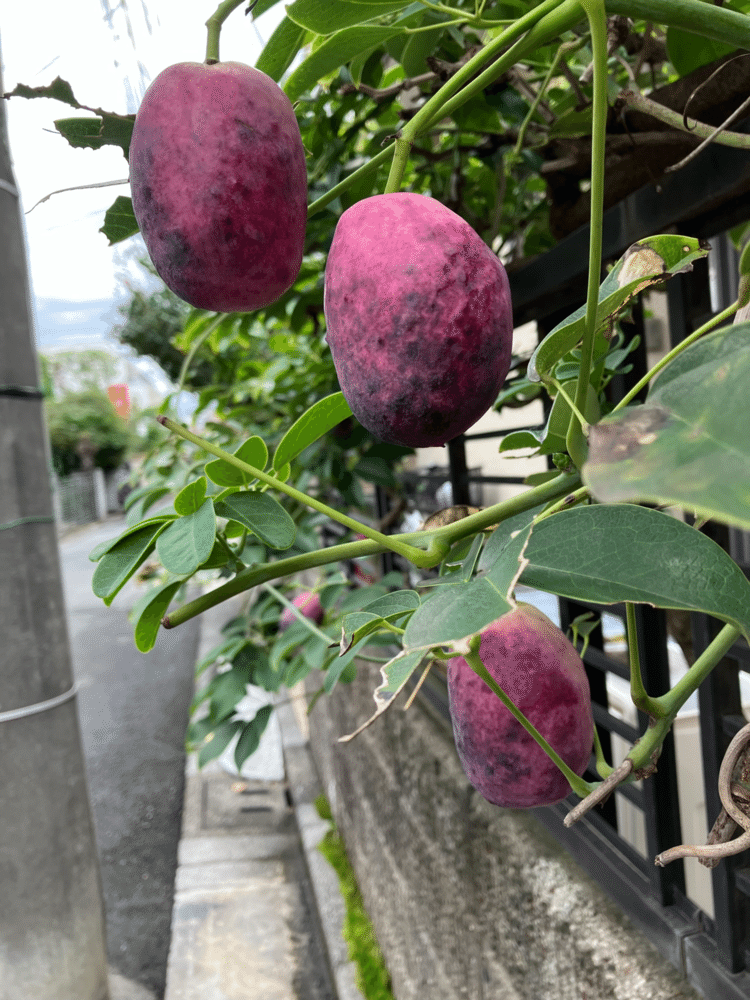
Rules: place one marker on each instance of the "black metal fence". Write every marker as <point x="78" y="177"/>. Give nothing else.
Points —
<point x="707" y="941"/>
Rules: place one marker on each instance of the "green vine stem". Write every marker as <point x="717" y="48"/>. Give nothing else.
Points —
<point x="643" y="756"/>
<point x="390" y="542"/>
<point x="214" y="24"/>
<point x="638" y="692"/>
<point x="718" y="23"/>
<point x="437" y="106"/>
<point x="671" y="702"/>
<point x="445" y="537"/>
<point x="695" y="335"/>
<point x="195" y="347"/>
<point x="580" y="787"/>
<point x="576" y="441"/>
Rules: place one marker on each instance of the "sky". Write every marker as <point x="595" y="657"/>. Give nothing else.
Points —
<point x="109" y="52"/>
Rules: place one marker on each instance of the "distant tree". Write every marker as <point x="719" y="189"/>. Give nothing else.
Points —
<point x="78" y="371"/>
<point x="150" y="320"/>
<point x="86" y="414"/>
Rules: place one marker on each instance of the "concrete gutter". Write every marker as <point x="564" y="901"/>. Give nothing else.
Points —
<point x="258" y="911"/>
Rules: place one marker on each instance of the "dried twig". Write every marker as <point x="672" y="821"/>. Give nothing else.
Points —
<point x="600" y="794"/>
<point x="734" y="778"/>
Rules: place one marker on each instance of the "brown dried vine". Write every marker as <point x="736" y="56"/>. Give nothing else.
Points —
<point x="734" y="791"/>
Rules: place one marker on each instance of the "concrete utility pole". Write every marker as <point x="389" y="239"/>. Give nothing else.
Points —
<point x="52" y="939"/>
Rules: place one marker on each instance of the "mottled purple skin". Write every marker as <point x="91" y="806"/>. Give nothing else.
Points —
<point x="419" y="319"/>
<point x="310" y="606"/>
<point x="541" y="672"/>
<point x="219" y="185"/>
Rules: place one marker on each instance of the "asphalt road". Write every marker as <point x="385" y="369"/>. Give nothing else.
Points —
<point x="133" y="710"/>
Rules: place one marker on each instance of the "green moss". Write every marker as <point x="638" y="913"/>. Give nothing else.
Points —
<point x="372" y="975"/>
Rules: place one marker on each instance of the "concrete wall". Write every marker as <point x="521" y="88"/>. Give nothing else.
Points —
<point x="469" y="902"/>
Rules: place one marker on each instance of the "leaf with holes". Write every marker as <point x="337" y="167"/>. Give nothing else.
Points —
<point x="688" y="445"/>
<point x="644" y="263"/>
<point x="395" y="675"/>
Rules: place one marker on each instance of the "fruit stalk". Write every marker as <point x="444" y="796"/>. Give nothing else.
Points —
<point x="214" y="25"/>
<point x="579" y="786"/>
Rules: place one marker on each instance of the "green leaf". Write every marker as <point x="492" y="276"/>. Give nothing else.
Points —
<point x="249" y="740"/>
<point x="688" y="445"/>
<point x="263" y="515"/>
<point x="610" y="553"/>
<point x="99" y="550"/>
<point x="389" y="608"/>
<point x="324" y="17"/>
<point x="190" y="497"/>
<point x="644" y="263"/>
<point x="394" y="604"/>
<point x="688" y="51"/>
<point x="280" y="49"/>
<point x="119" y="563"/>
<point x="119" y="220"/>
<point x="188" y="541"/>
<point x="216" y="742"/>
<point x="227" y="690"/>
<point x="457" y="611"/>
<point x="337" y="50"/>
<point x="420" y="45"/>
<point x="149" y="611"/>
<point x="58" y="90"/>
<point x="395" y="674"/>
<point x="253" y="451"/>
<point x="501" y="536"/>
<point x="94" y="133"/>
<point x="322" y="417"/>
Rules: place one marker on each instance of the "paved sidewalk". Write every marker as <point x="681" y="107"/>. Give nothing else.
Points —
<point x="257" y="909"/>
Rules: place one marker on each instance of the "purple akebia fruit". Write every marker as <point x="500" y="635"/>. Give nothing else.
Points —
<point x="419" y="319"/>
<point x="310" y="606"/>
<point x="543" y="675"/>
<point x="219" y="185"/>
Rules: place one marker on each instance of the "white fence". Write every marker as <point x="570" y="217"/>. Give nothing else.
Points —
<point x="83" y="497"/>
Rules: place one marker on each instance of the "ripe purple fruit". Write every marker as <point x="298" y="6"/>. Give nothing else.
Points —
<point x="419" y="319"/>
<point x="219" y="185"/>
<point x="543" y="675"/>
<point x="310" y="606"/>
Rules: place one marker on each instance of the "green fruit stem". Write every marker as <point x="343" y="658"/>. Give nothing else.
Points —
<point x="579" y="786"/>
<point x="576" y="441"/>
<point x="439" y="541"/>
<point x="646" y="751"/>
<point x="638" y="693"/>
<point x="214" y="24"/>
